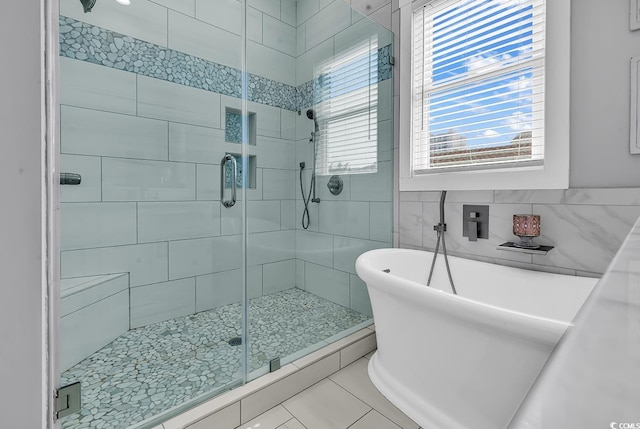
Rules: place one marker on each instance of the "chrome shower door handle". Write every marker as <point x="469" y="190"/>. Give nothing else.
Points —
<point x="223" y="178"/>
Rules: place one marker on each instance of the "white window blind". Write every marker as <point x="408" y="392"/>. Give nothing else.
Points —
<point x="347" y="111"/>
<point x="478" y="85"/>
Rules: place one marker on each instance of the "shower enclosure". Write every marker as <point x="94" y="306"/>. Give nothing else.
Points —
<point x="185" y="266"/>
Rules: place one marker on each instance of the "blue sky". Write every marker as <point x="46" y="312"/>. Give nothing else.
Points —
<point x="500" y="105"/>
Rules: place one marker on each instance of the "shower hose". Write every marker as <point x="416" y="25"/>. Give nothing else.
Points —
<point x="441" y="228"/>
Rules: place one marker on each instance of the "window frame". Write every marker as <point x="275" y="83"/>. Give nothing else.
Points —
<point x="554" y="173"/>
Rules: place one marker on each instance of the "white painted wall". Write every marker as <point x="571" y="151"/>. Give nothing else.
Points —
<point x="21" y="255"/>
<point x="601" y="47"/>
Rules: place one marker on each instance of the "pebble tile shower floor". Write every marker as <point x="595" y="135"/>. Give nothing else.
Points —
<point x="153" y="368"/>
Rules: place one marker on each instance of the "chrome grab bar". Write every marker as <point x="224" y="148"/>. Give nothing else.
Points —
<point x="234" y="171"/>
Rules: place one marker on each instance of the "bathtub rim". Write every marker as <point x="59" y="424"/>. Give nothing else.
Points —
<point x="543" y="329"/>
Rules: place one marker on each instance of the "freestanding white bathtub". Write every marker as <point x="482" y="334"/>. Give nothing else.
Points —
<point x="464" y="361"/>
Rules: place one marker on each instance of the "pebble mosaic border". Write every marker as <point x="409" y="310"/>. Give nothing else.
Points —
<point x="86" y="42"/>
<point x="151" y="369"/>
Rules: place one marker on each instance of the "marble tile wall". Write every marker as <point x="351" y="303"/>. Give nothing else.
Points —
<point x="586" y="226"/>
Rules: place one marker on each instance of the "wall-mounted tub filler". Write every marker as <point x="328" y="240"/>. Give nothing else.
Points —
<point x="440" y="228"/>
<point x="475" y="222"/>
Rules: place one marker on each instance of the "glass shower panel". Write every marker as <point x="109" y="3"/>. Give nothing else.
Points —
<point x="324" y="169"/>
<point x="151" y="263"/>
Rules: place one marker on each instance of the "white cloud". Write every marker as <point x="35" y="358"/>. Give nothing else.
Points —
<point x="490" y="133"/>
<point x="519" y="121"/>
<point x="520" y="84"/>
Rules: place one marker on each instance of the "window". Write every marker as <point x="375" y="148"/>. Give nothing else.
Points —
<point x="478" y="89"/>
<point x="347" y="111"/>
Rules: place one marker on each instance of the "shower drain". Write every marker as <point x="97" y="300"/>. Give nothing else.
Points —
<point x="236" y="341"/>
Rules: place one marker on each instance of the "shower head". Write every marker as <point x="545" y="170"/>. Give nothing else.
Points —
<point x="311" y="114"/>
<point x="88" y="5"/>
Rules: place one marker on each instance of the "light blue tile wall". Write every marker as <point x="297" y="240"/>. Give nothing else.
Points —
<point x="158" y="103"/>
<point x="360" y="218"/>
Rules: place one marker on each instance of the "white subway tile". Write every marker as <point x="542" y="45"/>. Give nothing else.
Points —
<point x="231" y="219"/>
<point x="278" y="184"/>
<point x="275" y="153"/>
<point x="116" y="92"/>
<point x="254" y="25"/>
<point x="279" y="276"/>
<point x="346" y="218"/>
<point x="203" y="40"/>
<point x="346" y="251"/>
<point x="89" y="168"/>
<point x="288" y="11"/>
<point x="314" y="247"/>
<point x="187" y="7"/>
<point x="204" y="256"/>
<point x="145" y="263"/>
<point x="270" y="63"/>
<point x="254" y="281"/>
<point x="300" y="283"/>
<point x="88" y="330"/>
<point x="322" y="190"/>
<point x="306" y="9"/>
<point x="308" y="64"/>
<point x="380" y="222"/>
<point x="88" y="225"/>
<point x="166" y="221"/>
<point x="162" y="301"/>
<point x="287" y="214"/>
<point x="208" y="182"/>
<point x="190" y="143"/>
<point x="363" y="29"/>
<point x="326" y="23"/>
<point x="288" y="124"/>
<point x="218" y="289"/>
<point x="179" y="103"/>
<point x="383" y="16"/>
<point x="137" y="180"/>
<point x="272" y="7"/>
<point x="142" y="19"/>
<point x="94" y="132"/>
<point x="266" y="247"/>
<point x="374" y="186"/>
<point x="263" y="216"/>
<point x="224" y="14"/>
<point x="89" y="290"/>
<point x="279" y="35"/>
<point x="327" y="283"/>
<point x="359" y="296"/>
<point x="301" y="37"/>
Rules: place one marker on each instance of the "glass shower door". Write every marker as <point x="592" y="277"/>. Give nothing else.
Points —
<point x="151" y="261"/>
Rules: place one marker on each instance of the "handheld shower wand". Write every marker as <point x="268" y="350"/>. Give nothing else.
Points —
<point x="312" y="186"/>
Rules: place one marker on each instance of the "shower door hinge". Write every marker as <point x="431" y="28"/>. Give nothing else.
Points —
<point x="274" y="364"/>
<point x="392" y="60"/>
<point x="67" y="400"/>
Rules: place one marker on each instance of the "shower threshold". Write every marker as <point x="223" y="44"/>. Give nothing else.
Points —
<point x="152" y="369"/>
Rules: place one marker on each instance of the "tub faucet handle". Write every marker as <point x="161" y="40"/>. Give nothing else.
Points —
<point x="473" y="231"/>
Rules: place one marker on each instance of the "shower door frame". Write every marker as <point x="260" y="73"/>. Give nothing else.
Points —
<point x="51" y="219"/>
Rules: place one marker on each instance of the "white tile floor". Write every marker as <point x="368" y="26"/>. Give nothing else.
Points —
<point x="346" y="399"/>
